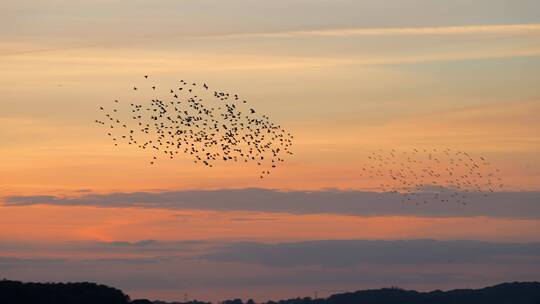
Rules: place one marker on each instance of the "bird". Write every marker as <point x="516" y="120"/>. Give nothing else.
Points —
<point x="206" y="127"/>
<point x="434" y="173"/>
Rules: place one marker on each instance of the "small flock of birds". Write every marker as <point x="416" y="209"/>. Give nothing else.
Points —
<point x="192" y="119"/>
<point x="432" y="175"/>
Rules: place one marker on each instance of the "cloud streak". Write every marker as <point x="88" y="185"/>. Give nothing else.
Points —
<point x="345" y="253"/>
<point x="532" y="28"/>
<point x="522" y="205"/>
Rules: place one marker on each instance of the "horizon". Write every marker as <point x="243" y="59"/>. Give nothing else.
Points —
<point x="332" y="293"/>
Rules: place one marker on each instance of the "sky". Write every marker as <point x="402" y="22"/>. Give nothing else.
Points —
<point x="346" y="77"/>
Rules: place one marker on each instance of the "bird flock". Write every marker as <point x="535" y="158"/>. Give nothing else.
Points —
<point x="212" y="126"/>
<point x="432" y="175"/>
<point x="190" y="118"/>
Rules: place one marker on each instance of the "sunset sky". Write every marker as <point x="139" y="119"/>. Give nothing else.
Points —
<point x="346" y="77"/>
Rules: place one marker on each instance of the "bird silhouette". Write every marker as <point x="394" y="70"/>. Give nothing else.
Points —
<point x="208" y="125"/>
<point x="432" y="175"/>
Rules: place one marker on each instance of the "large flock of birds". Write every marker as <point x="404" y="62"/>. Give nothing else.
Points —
<point x="212" y="126"/>
<point x="432" y="175"/>
<point x="192" y="119"/>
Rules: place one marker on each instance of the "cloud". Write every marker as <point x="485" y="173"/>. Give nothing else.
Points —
<point x="522" y="205"/>
<point x="144" y="243"/>
<point x="102" y="251"/>
<point x="349" y="264"/>
<point x="345" y="253"/>
<point x="14" y="262"/>
<point x="395" y="31"/>
<point x="252" y="219"/>
<point x="322" y="253"/>
<point x="177" y="18"/>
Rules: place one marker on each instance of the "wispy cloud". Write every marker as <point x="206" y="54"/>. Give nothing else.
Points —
<point x="533" y="28"/>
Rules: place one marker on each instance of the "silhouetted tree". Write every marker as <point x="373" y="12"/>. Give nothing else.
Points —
<point x="59" y="293"/>
<point x="141" y="301"/>
<point x="235" y="301"/>
<point x="13" y="292"/>
<point x="508" y="293"/>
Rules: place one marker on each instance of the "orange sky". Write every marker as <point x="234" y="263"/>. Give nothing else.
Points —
<point x="46" y="223"/>
<point x="422" y="75"/>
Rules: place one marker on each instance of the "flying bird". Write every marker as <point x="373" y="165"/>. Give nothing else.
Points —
<point x="423" y="175"/>
<point x="206" y="125"/>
